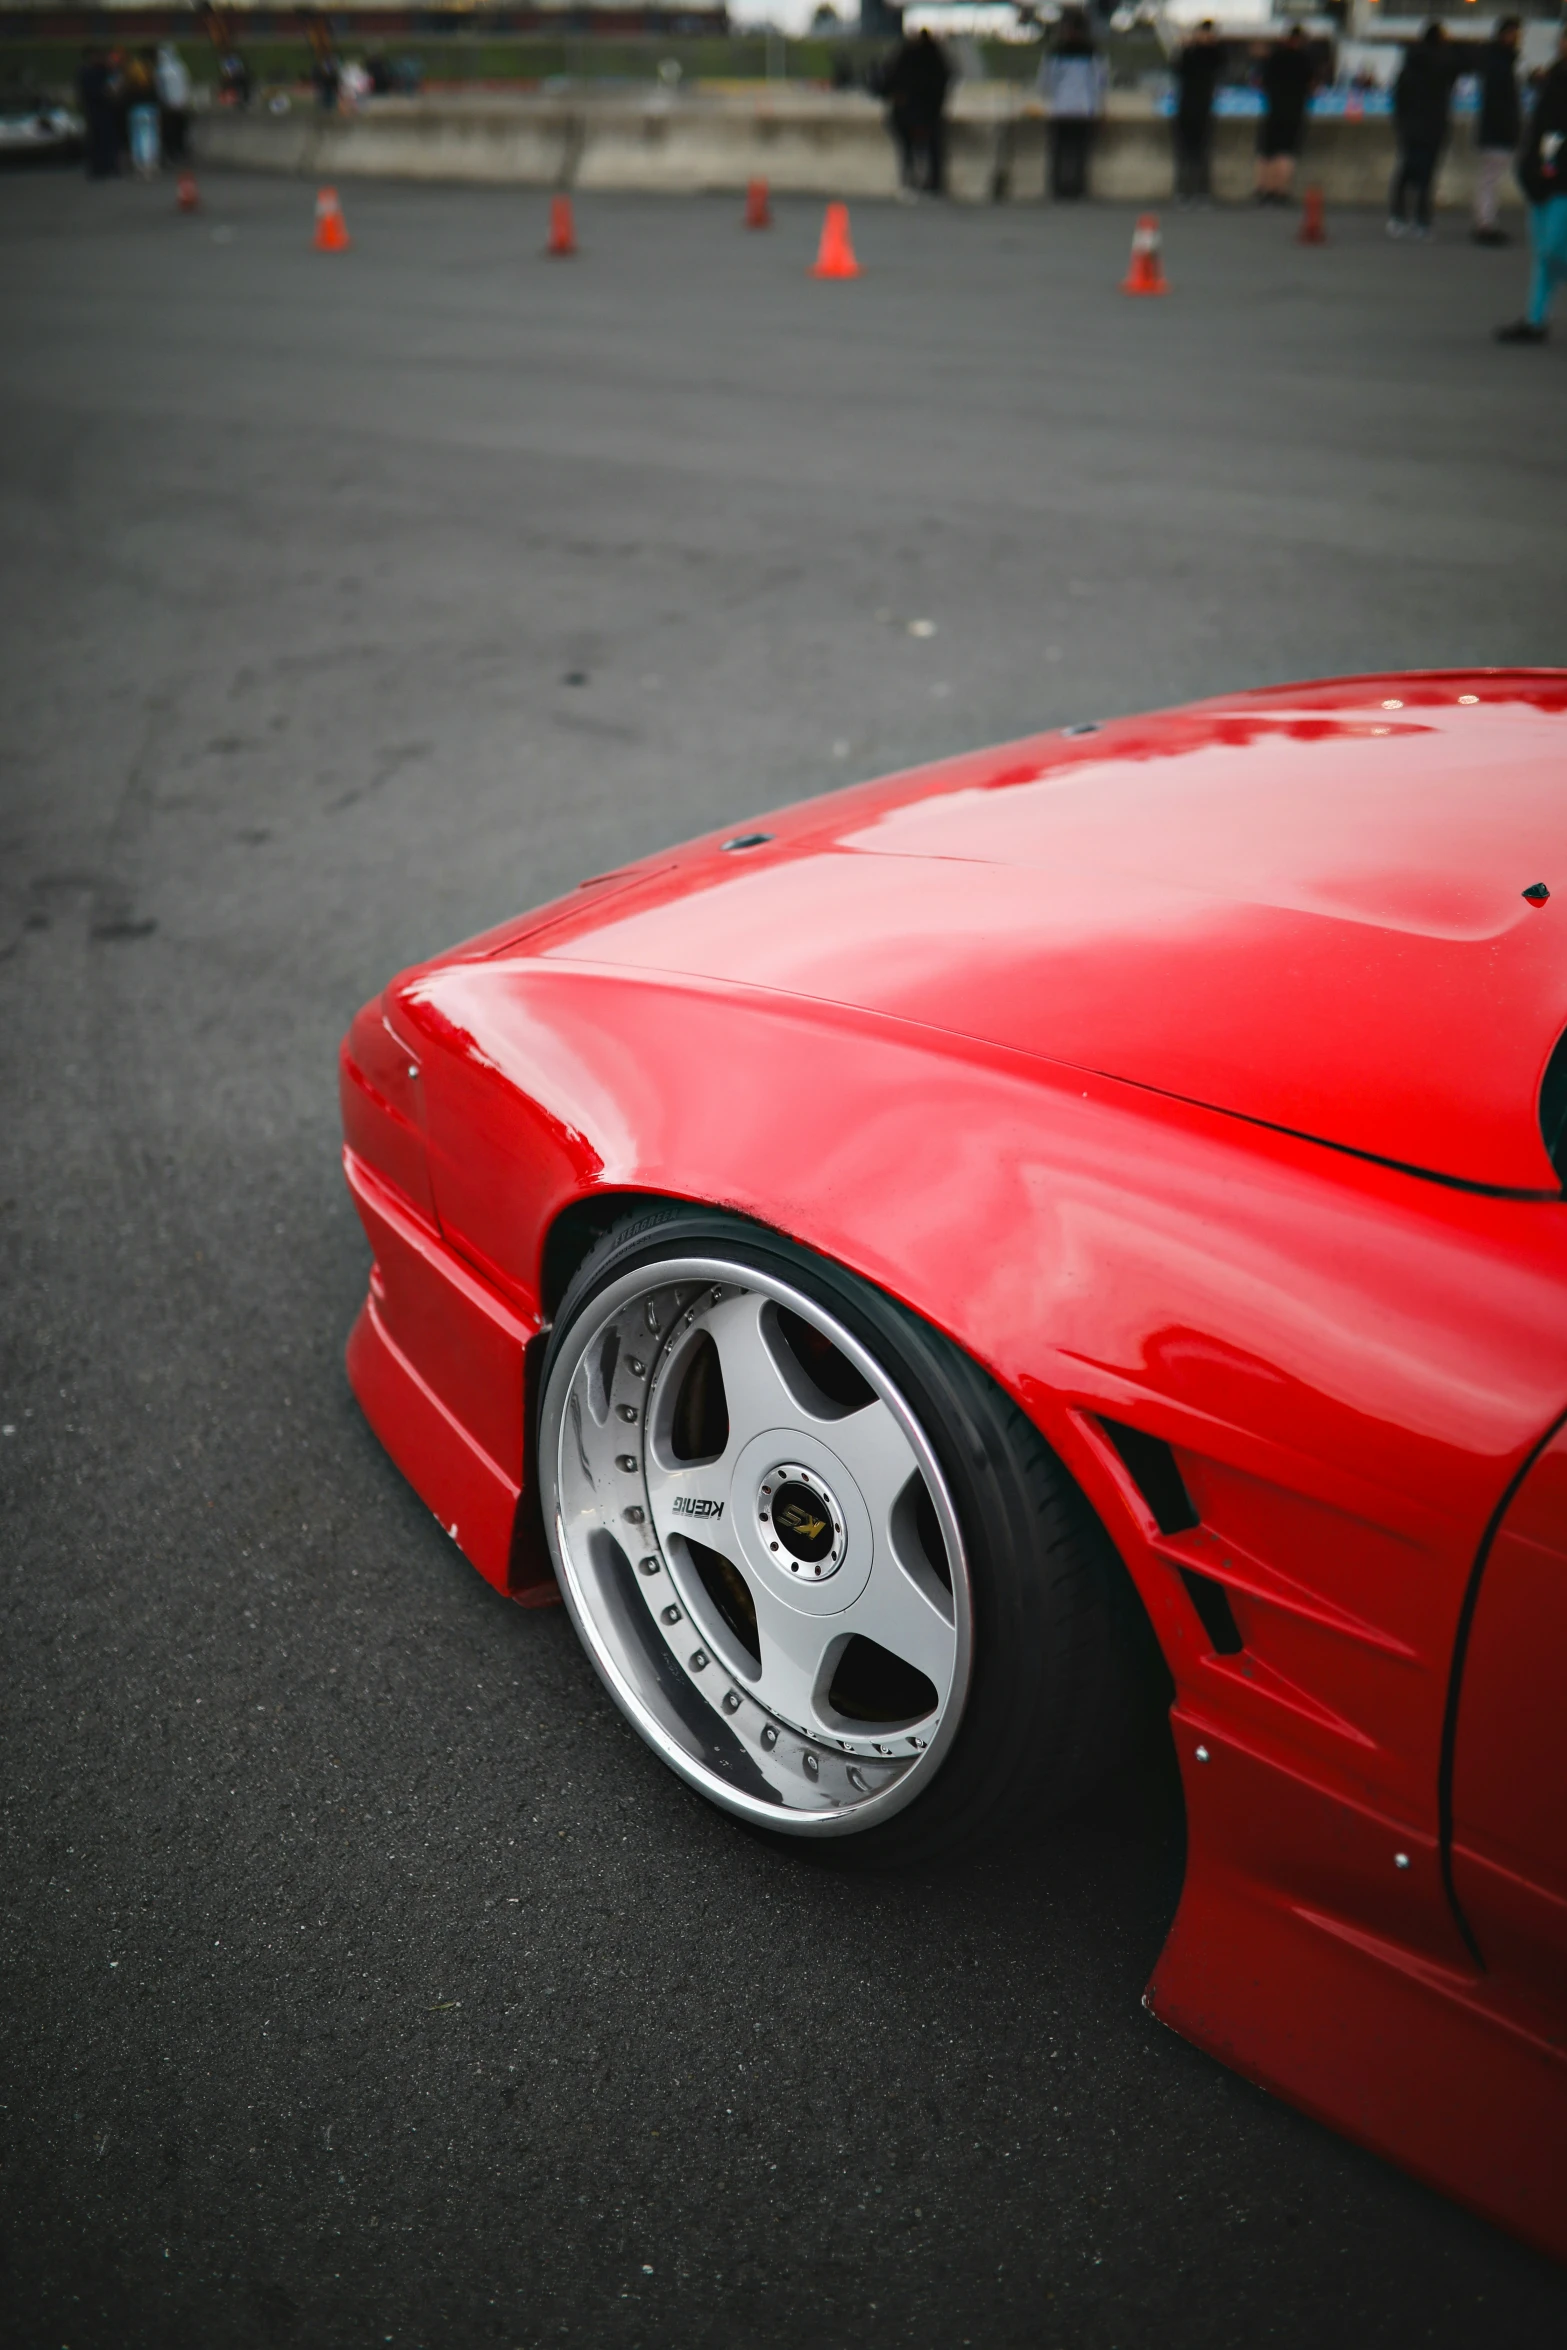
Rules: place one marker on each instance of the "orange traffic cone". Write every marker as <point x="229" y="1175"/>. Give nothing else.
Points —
<point x="331" y="227"/>
<point x="563" y="229"/>
<point x="1146" y="274"/>
<point x="186" y="199"/>
<point x="1313" y="228"/>
<point x="835" y="254"/>
<point x="758" y="212"/>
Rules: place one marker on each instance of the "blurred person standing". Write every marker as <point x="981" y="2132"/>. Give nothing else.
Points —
<point x="233" y="80"/>
<point x="1542" y="174"/>
<point x="930" y="81"/>
<point x="1072" y="82"/>
<point x="141" y="113"/>
<point x="173" y="79"/>
<point x="1198" y="69"/>
<point x="95" y="93"/>
<point x="889" y="81"/>
<point x="1499" y="126"/>
<point x="915" y="88"/>
<point x="1422" y="95"/>
<point x="353" y="87"/>
<point x="1289" y="75"/>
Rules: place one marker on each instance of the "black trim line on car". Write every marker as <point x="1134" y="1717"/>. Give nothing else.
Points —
<point x="1466" y="1617"/>
<point x="1347" y="1149"/>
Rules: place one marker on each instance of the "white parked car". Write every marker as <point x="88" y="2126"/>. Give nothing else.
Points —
<point x="35" y="129"/>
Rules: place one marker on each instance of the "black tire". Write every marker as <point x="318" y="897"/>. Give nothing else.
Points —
<point x="1061" y="1648"/>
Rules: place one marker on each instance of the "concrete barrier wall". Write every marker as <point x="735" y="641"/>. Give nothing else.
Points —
<point x="801" y="142"/>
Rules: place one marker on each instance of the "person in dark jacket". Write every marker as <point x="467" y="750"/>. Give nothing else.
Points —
<point x="1198" y="70"/>
<point x="1289" y="75"/>
<point x="95" y="91"/>
<point x="915" y="88"/>
<point x="1498" y="130"/>
<point x="1542" y="174"/>
<point x="1422" y="95"/>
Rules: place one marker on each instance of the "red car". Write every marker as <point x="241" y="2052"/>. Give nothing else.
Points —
<point x="1078" y="1221"/>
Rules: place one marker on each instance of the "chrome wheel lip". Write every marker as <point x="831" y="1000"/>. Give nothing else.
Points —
<point x="858" y="1812"/>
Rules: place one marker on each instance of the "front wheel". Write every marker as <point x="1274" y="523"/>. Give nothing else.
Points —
<point x="826" y="1568"/>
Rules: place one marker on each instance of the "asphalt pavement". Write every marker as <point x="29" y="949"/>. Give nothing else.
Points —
<point x="365" y="1982"/>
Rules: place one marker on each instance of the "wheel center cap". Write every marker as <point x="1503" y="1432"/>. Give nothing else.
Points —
<point x="800" y="1523"/>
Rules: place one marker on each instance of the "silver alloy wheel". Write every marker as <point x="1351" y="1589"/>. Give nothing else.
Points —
<point x="785" y="1615"/>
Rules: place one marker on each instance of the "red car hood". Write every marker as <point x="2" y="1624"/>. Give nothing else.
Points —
<point x="1304" y="906"/>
